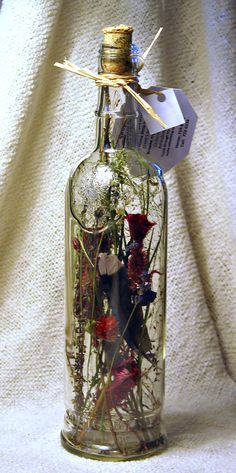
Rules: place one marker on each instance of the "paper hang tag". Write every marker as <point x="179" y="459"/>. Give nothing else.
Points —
<point x="167" y="148"/>
<point x="166" y="106"/>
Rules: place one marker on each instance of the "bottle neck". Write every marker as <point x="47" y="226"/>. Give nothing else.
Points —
<point x="117" y="109"/>
<point x="116" y="120"/>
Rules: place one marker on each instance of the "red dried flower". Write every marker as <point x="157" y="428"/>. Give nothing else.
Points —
<point x="125" y="379"/>
<point x="106" y="328"/>
<point x="139" y="226"/>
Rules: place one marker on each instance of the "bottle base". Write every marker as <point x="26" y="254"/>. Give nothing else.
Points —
<point x="104" y="453"/>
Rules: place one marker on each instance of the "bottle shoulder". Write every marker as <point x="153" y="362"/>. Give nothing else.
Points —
<point x="102" y="190"/>
<point x="77" y="165"/>
<point x="130" y="160"/>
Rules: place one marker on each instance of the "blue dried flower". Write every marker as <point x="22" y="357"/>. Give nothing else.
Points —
<point x="147" y="297"/>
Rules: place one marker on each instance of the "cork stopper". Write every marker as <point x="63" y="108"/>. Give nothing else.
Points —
<point x="118" y="29"/>
<point x="118" y="36"/>
<point x="117" y="46"/>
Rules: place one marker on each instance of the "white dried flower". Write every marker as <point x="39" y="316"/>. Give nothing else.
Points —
<point x="108" y="264"/>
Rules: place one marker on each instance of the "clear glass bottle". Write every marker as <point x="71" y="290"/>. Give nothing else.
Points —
<point x="116" y="229"/>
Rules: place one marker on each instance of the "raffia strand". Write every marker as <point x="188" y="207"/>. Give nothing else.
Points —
<point x="115" y="80"/>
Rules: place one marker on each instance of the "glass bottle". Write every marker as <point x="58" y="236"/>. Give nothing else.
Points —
<point x="116" y="217"/>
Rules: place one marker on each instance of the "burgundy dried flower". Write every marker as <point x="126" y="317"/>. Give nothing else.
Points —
<point x="139" y="226"/>
<point x="137" y="265"/>
<point x="106" y="328"/>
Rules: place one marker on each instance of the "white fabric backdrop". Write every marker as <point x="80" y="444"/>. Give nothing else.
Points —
<point x="47" y="123"/>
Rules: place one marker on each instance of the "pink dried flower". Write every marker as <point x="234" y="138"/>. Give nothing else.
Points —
<point x="76" y="244"/>
<point x="125" y="379"/>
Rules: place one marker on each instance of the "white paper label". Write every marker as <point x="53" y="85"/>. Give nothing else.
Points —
<point x="166" y="107"/>
<point x="168" y="147"/>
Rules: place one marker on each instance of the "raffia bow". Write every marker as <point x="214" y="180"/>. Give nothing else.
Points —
<point x="115" y="80"/>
